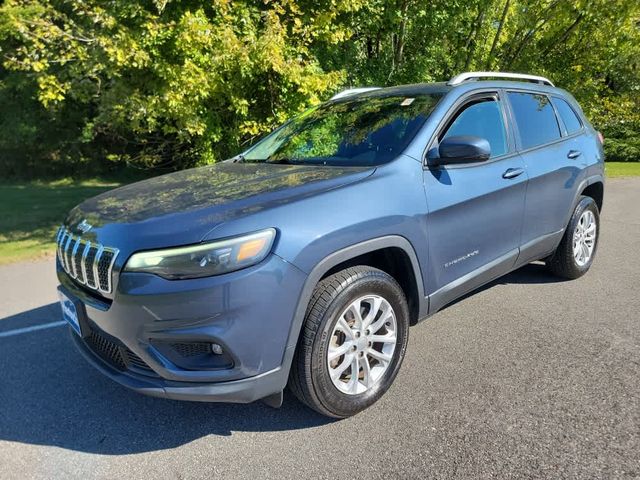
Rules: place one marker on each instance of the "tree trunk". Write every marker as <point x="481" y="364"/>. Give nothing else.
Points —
<point x="539" y="23"/>
<point x="494" y="44"/>
<point x="471" y="45"/>
<point x="555" y="42"/>
<point x="399" y="39"/>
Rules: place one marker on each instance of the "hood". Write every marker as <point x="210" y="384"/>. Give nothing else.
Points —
<point x="182" y="207"/>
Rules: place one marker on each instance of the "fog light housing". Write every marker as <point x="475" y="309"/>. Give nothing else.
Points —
<point x="194" y="355"/>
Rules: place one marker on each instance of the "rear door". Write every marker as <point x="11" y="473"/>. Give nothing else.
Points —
<point x="553" y="159"/>
<point x="475" y="210"/>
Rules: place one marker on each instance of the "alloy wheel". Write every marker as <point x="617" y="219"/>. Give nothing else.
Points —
<point x="584" y="238"/>
<point x="362" y="344"/>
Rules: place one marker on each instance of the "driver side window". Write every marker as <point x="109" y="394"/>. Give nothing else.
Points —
<point x="480" y="118"/>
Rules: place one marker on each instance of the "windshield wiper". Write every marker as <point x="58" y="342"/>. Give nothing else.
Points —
<point x="283" y="161"/>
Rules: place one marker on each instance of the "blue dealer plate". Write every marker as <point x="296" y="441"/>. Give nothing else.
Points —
<point x="69" y="312"/>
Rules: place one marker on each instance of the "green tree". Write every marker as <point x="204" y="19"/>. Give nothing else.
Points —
<point x="170" y="84"/>
<point x="157" y="83"/>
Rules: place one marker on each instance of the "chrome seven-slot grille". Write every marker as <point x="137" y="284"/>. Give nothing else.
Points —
<point x="88" y="263"/>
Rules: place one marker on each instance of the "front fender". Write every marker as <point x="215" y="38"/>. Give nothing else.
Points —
<point x="336" y="258"/>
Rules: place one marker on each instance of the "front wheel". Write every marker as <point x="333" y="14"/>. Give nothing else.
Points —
<point x="353" y="341"/>
<point x="577" y="249"/>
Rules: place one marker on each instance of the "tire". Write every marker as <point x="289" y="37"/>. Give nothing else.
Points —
<point x="563" y="262"/>
<point x="352" y="289"/>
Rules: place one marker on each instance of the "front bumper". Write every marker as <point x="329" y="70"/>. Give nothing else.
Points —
<point x="250" y="313"/>
<point x="245" y="390"/>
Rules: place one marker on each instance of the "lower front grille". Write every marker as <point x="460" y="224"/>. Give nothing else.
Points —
<point x="192" y="349"/>
<point x="193" y="355"/>
<point x="118" y="356"/>
<point x="133" y="360"/>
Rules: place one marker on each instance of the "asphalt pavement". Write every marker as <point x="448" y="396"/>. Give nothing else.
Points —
<point x="530" y="377"/>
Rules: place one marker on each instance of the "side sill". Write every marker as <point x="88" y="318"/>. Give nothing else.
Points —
<point x="472" y="280"/>
<point x="539" y="248"/>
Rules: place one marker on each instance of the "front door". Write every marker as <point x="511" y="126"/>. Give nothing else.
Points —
<point x="475" y="210"/>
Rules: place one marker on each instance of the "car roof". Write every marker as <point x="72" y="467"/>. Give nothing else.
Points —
<point x="461" y="83"/>
<point x="443" y="87"/>
<point x="397" y="90"/>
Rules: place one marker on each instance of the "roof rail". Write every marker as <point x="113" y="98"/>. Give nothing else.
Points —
<point x="463" y="77"/>
<point x="353" y="91"/>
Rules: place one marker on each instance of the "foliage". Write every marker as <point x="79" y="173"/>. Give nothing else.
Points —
<point x="168" y="84"/>
<point x="619" y="119"/>
<point x="157" y="83"/>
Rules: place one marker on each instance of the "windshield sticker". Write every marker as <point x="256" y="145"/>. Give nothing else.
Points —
<point x="406" y="102"/>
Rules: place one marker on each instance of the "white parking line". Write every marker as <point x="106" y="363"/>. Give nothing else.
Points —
<point x="18" y="331"/>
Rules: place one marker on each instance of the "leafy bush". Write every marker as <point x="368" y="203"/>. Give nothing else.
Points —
<point x="161" y="84"/>
<point x="619" y="120"/>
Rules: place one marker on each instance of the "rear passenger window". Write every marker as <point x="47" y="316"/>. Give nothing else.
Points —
<point x="481" y="118"/>
<point x="535" y="118"/>
<point x="568" y="115"/>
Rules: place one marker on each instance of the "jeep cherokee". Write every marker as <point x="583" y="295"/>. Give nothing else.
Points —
<point x="304" y="260"/>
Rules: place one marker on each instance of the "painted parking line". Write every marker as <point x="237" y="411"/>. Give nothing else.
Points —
<point x="20" y="331"/>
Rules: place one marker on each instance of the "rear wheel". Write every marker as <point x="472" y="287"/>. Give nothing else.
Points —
<point x="577" y="249"/>
<point x="353" y="341"/>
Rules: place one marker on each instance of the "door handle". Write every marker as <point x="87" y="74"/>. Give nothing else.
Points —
<point x="512" y="173"/>
<point x="574" y="154"/>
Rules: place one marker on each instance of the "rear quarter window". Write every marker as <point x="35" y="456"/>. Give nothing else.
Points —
<point x="568" y="115"/>
<point x="535" y="118"/>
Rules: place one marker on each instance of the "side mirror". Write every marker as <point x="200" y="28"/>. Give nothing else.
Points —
<point x="462" y="149"/>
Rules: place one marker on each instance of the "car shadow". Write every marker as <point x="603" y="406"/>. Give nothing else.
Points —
<point x="531" y="274"/>
<point x="50" y="396"/>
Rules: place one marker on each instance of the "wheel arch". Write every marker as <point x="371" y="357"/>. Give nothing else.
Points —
<point x="344" y="257"/>
<point x="592" y="185"/>
<point x="594" y="190"/>
<point x="393" y="247"/>
<point x="396" y="262"/>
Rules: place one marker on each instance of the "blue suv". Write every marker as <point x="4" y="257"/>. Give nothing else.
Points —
<point x="304" y="260"/>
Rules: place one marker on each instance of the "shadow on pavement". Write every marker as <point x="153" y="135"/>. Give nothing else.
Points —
<point x="533" y="273"/>
<point x="529" y="274"/>
<point x="50" y="396"/>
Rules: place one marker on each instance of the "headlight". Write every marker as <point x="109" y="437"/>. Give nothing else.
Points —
<point x="205" y="259"/>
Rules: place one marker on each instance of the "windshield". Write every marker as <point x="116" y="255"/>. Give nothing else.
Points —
<point x="366" y="130"/>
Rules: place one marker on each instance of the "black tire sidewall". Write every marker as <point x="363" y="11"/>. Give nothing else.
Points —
<point x="338" y="403"/>
<point x="585" y="203"/>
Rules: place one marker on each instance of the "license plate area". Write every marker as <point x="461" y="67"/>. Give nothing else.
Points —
<point x="71" y="311"/>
